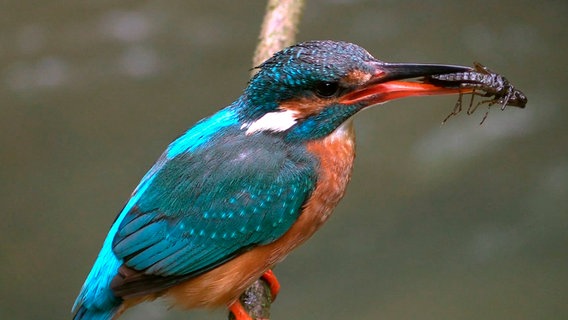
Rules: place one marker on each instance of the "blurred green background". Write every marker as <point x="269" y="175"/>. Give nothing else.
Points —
<point x="454" y="221"/>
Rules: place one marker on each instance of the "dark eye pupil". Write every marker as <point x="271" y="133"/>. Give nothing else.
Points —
<point x="326" y="89"/>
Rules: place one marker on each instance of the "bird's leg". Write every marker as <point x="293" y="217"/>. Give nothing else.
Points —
<point x="237" y="309"/>
<point x="273" y="283"/>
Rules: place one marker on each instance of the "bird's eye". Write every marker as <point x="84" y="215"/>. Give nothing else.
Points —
<point x="326" y="89"/>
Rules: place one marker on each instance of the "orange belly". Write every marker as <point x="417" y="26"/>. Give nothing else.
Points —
<point x="224" y="284"/>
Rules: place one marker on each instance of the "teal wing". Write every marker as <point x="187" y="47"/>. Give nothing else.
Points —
<point x="204" y="207"/>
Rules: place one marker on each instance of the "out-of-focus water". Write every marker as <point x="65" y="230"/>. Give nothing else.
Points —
<point x="454" y="221"/>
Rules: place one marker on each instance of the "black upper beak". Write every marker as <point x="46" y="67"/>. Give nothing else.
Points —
<point x="399" y="71"/>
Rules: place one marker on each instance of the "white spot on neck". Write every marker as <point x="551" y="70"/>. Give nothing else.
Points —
<point x="274" y="121"/>
<point x="343" y="132"/>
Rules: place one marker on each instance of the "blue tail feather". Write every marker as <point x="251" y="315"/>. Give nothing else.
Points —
<point x="95" y="314"/>
<point x="96" y="301"/>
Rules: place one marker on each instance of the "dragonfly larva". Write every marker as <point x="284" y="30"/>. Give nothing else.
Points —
<point x="485" y="83"/>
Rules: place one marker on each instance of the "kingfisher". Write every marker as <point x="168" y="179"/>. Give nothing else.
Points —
<point x="238" y="191"/>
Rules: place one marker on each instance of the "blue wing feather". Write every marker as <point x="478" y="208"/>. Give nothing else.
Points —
<point x="205" y="205"/>
<point x="96" y="297"/>
<point x="213" y="193"/>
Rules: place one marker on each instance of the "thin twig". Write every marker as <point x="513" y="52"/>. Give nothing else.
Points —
<point x="278" y="29"/>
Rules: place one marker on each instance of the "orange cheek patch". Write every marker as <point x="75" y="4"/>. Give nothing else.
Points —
<point x="305" y="107"/>
<point x="356" y="78"/>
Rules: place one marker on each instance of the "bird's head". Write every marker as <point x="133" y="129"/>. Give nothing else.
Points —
<point x="307" y="90"/>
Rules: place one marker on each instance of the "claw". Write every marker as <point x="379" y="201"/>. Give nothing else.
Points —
<point x="273" y="283"/>
<point x="239" y="311"/>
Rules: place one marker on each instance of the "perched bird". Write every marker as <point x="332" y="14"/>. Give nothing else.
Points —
<point x="238" y="191"/>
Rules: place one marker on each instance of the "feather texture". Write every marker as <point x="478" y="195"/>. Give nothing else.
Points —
<point x="206" y="206"/>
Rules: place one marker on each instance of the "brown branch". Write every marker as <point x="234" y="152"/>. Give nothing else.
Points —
<point x="278" y="31"/>
<point x="256" y="300"/>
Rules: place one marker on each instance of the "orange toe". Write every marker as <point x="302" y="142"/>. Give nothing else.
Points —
<point x="239" y="311"/>
<point x="273" y="283"/>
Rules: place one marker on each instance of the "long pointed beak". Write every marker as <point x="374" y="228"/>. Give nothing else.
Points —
<point x="391" y="81"/>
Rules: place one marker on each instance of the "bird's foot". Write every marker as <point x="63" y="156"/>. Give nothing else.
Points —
<point x="239" y="311"/>
<point x="273" y="283"/>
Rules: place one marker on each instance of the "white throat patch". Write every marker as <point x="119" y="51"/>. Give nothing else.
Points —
<point x="274" y="121"/>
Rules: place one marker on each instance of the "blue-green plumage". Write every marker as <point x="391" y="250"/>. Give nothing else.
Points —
<point x="296" y="70"/>
<point x="242" y="178"/>
<point x="223" y="193"/>
<point x="96" y="299"/>
<point x="206" y="205"/>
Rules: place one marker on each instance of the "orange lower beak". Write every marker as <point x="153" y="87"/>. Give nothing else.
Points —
<point x="391" y="90"/>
